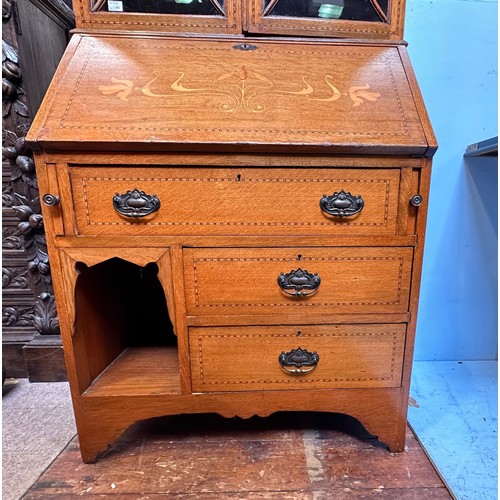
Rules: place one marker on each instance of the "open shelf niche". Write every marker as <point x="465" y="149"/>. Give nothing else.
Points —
<point x="125" y="340"/>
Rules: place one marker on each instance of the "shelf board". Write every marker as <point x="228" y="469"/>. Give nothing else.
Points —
<point x="139" y="371"/>
<point x="488" y="147"/>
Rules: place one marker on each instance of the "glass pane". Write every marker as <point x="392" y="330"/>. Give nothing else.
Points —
<point x="351" y="10"/>
<point x="187" y="7"/>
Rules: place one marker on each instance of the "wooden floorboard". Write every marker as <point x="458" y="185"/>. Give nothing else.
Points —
<point x="286" y="456"/>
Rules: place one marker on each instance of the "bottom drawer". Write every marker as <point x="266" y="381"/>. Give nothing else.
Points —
<point x="253" y="358"/>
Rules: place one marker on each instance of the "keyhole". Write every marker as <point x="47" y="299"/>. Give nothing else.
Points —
<point x="299" y="333"/>
<point x="299" y="257"/>
<point x="238" y="178"/>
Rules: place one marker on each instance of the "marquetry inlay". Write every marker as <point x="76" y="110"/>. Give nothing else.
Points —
<point x="242" y="89"/>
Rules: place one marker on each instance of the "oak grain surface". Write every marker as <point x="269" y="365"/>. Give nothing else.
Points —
<point x="246" y="358"/>
<point x="203" y="94"/>
<point x="212" y="201"/>
<point x="240" y="146"/>
<point x="244" y="281"/>
<point x="126" y="375"/>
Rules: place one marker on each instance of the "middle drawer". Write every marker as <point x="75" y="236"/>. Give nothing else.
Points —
<point x="230" y="281"/>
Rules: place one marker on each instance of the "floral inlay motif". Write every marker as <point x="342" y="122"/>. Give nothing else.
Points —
<point x="243" y="89"/>
<point x="358" y="93"/>
<point x="121" y="88"/>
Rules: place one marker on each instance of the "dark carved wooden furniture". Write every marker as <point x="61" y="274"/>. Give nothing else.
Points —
<point x="235" y="223"/>
<point x="31" y="345"/>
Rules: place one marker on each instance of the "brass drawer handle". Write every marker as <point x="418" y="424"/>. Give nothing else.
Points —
<point x="342" y="204"/>
<point x="298" y="361"/>
<point x="135" y="203"/>
<point x="299" y="283"/>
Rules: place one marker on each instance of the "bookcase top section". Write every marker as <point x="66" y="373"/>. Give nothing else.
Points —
<point x="367" y="19"/>
<point x="132" y="93"/>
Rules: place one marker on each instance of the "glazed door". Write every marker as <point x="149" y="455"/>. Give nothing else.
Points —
<point x="188" y="16"/>
<point x="337" y="18"/>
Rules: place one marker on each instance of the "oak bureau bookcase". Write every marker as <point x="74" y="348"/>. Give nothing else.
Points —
<point x="235" y="197"/>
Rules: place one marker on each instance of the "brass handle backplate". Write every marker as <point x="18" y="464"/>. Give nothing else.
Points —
<point x="299" y="283"/>
<point x="299" y="361"/>
<point x="342" y="204"/>
<point x="135" y="203"/>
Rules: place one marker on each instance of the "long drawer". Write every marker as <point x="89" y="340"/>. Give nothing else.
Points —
<point x="230" y="201"/>
<point x="232" y="281"/>
<point x="294" y="357"/>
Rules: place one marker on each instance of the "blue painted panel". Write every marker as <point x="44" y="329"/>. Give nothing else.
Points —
<point x="453" y="48"/>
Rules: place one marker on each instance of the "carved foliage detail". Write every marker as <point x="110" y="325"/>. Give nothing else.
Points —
<point x="6" y="10"/>
<point x="12" y="105"/>
<point x="22" y="196"/>
<point x="46" y="320"/>
<point x="14" y="278"/>
<point x="31" y="228"/>
<point x="7" y="198"/>
<point x="18" y="316"/>
<point x="19" y="156"/>
<point x="11" y="239"/>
